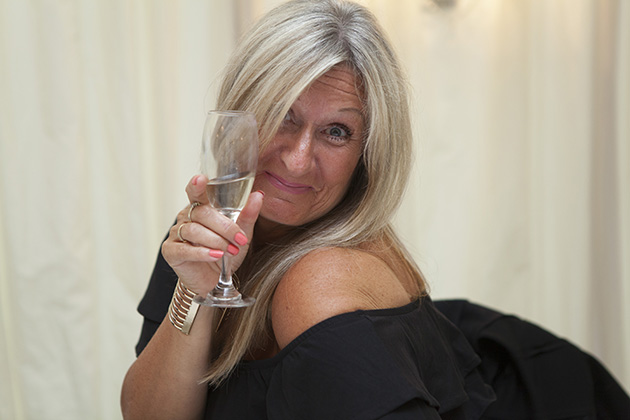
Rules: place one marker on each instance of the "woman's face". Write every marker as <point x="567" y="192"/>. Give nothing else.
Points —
<point x="306" y="169"/>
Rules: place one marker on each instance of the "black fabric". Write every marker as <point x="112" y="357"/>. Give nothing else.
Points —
<point x="157" y="298"/>
<point x="399" y="363"/>
<point x="535" y="374"/>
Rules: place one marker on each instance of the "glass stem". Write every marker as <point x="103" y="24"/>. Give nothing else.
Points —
<point x="225" y="278"/>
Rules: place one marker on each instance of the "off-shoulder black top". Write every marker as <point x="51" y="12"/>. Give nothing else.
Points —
<point x="410" y="362"/>
<point x="400" y="363"/>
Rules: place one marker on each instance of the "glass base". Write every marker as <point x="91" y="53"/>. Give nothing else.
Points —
<point x="224" y="298"/>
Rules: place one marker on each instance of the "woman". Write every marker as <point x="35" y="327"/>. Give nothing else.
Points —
<point x="342" y="326"/>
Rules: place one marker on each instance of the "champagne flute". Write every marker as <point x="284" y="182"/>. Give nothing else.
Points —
<point x="229" y="155"/>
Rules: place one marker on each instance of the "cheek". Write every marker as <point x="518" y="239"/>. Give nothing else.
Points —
<point x="342" y="177"/>
<point x="342" y="174"/>
<point x="262" y="158"/>
<point x="266" y="157"/>
<point x="350" y="162"/>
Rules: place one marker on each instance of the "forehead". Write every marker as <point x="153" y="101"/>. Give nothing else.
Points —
<point x="341" y="78"/>
<point x="336" y="89"/>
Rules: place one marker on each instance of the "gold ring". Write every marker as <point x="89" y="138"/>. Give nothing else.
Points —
<point x="179" y="233"/>
<point x="192" y="207"/>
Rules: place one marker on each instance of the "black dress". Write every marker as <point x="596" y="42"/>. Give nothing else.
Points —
<point x="535" y="374"/>
<point x="413" y="362"/>
<point x="401" y="363"/>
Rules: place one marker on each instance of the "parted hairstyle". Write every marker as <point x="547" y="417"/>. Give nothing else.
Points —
<point x="281" y="56"/>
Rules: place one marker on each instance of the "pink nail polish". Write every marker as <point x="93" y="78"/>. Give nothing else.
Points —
<point x="215" y="253"/>
<point x="232" y="249"/>
<point x="261" y="191"/>
<point x="240" y="239"/>
<point x="195" y="180"/>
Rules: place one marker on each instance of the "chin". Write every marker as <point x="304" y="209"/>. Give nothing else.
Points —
<point x="282" y="221"/>
<point x="279" y="211"/>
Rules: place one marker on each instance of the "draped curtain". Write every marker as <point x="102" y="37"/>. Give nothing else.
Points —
<point x="519" y="200"/>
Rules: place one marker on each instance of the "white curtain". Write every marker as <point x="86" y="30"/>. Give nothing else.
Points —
<point x="520" y="198"/>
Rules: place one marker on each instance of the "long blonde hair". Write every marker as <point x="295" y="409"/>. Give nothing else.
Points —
<point x="283" y="54"/>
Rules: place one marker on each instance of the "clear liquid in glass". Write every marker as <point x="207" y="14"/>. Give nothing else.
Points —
<point x="229" y="194"/>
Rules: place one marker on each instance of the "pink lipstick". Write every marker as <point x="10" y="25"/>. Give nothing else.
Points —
<point x="284" y="185"/>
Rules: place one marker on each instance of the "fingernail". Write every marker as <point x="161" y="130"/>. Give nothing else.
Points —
<point x="232" y="249"/>
<point x="240" y="239"/>
<point x="261" y="191"/>
<point x="195" y="180"/>
<point x="215" y="253"/>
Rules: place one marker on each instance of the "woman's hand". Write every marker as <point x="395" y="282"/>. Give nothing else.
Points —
<point x="195" y="245"/>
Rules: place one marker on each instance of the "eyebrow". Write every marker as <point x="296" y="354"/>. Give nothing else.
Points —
<point x="355" y="110"/>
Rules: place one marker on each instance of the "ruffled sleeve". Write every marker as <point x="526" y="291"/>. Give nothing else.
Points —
<point x="342" y="373"/>
<point x="434" y="354"/>
<point x="398" y="363"/>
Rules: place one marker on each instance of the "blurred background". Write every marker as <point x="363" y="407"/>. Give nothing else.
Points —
<point x="520" y="197"/>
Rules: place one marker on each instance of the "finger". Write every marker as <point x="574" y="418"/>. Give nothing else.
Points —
<point x="249" y="214"/>
<point x="207" y="222"/>
<point x="176" y="252"/>
<point x="196" y="189"/>
<point x="198" y="235"/>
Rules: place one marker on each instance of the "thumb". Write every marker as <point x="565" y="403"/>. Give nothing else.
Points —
<point x="249" y="214"/>
<point x="196" y="189"/>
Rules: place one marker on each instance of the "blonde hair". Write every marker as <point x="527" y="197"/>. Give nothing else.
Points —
<point x="282" y="55"/>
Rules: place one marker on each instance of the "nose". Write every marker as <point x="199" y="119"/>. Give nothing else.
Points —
<point x="297" y="153"/>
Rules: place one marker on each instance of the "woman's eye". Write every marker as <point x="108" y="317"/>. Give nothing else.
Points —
<point x="287" y="122"/>
<point x="338" y="132"/>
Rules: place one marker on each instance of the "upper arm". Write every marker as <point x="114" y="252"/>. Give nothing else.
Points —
<point x="330" y="282"/>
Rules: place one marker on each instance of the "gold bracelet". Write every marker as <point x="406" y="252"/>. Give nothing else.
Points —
<point x="182" y="310"/>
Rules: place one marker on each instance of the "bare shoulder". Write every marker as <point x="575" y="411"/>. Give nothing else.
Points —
<point x="330" y="282"/>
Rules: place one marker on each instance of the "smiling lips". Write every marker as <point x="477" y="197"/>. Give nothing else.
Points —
<point x="284" y="185"/>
